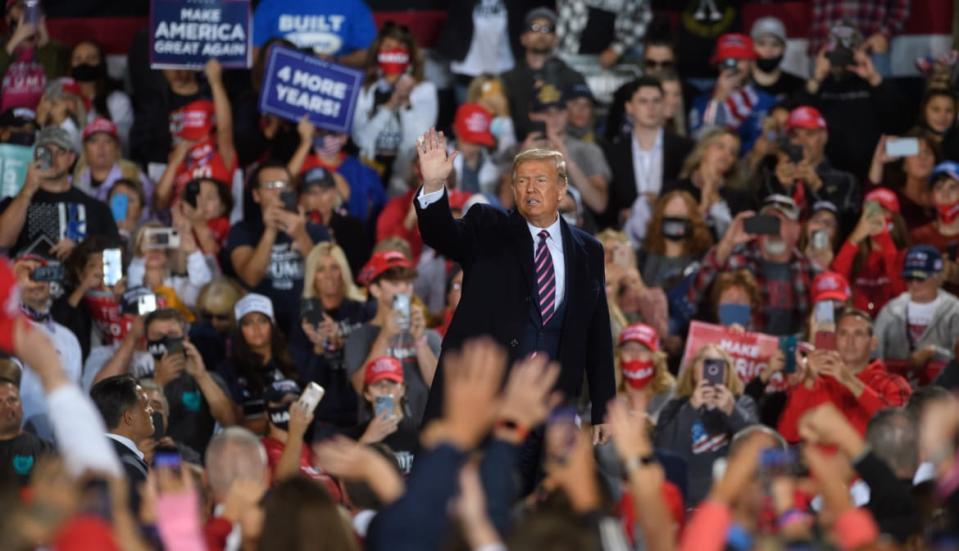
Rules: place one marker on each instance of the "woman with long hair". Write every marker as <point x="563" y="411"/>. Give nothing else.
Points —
<point x="699" y="423"/>
<point x="820" y="234"/>
<point x="259" y="357"/>
<point x="908" y="177"/>
<point x="677" y="237"/>
<point x="641" y="370"/>
<point x="712" y="175"/>
<point x="88" y="66"/>
<point x="871" y="258"/>
<point x="396" y="105"/>
<point x="300" y="514"/>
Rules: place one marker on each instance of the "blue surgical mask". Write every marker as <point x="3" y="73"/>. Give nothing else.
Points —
<point x="730" y="314"/>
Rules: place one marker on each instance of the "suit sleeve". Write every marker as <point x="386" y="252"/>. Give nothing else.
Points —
<point x="599" y="349"/>
<point x="451" y="238"/>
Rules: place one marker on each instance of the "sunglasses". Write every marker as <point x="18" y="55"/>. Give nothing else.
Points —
<point x="541" y="29"/>
<point x="210" y="316"/>
<point x="653" y="64"/>
<point x="275" y="184"/>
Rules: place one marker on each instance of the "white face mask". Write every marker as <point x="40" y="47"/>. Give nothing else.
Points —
<point x="774" y="246"/>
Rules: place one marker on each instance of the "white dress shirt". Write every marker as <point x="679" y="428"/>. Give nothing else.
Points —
<point x="554" y="242"/>
<point x="126" y="442"/>
<point x="648" y="165"/>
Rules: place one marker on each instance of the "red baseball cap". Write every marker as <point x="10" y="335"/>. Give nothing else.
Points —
<point x="381" y="262"/>
<point x="383" y="368"/>
<point x="830" y="286"/>
<point x="641" y="333"/>
<point x="193" y="121"/>
<point x="472" y="125"/>
<point x="458" y="198"/>
<point x="885" y="197"/>
<point x="805" y="117"/>
<point x="733" y="46"/>
<point x="101" y="124"/>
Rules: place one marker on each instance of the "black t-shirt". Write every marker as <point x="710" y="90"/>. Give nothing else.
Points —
<point x="51" y="217"/>
<point x="190" y="420"/>
<point x="785" y="86"/>
<point x="244" y="391"/>
<point x="20" y="455"/>
<point x="404" y="442"/>
<point x="283" y="281"/>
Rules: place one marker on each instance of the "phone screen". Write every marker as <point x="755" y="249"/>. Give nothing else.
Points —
<point x="902" y="147"/>
<point x="714" y="371"/>
<point x="383" y="404"/>
<point x="112" y="267"/>
<point x="762" y="224"/>
<point x="119" y="204"/>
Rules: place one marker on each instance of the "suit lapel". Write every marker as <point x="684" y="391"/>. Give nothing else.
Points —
<point x="522" y="244"/>
<point x="573" y="259"/>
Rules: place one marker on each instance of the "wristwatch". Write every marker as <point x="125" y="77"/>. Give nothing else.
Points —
<point x="634" y="463"/>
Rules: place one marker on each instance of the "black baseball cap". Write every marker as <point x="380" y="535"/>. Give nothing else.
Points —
<point x="317" y="176"/>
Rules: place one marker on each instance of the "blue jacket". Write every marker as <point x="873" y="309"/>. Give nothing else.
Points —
<point x="743" y="112"/>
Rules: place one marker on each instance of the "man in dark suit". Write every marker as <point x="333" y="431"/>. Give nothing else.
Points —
<point x="531" y="282"/>
<point x="126" y="411"/>
<point x="646" y="160"/>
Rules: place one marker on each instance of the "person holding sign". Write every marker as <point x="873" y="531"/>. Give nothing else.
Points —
<point x="203" y="137"/>
<point x="709" y="408"/>
<point x="395" y="106"/>
<point x="338" y="30"/>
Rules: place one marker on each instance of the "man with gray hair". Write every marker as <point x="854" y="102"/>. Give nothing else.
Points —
<point x="239" y="475"/>
<point x="531" y="281"/>
<point x="49" y="216"/>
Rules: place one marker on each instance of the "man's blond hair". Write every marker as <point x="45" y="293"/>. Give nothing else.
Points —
<point x="542" y="155"/>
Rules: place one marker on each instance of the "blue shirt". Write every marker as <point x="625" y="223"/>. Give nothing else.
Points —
<point x="328" y="27"/>
<point x="367" y="195"/>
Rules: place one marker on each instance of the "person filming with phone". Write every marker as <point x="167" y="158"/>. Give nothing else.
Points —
<point x="699" y="423"/>
<point x="845" y="376"/>
<point x="766" y="246"/>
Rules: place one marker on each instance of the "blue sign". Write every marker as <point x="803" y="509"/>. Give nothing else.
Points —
<point x="296" y="84"/>
<point x="184" y="34"/>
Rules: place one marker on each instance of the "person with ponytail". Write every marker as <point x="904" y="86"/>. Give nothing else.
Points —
<point x="943" y="232"/>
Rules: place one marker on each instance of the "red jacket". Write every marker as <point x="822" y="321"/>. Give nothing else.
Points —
<point x="878" y="279"/>
<point x="883" y="390"/>
<point x="390" y="222"/>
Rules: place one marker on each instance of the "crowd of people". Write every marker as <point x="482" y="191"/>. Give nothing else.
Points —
<point x="477" y="333"/>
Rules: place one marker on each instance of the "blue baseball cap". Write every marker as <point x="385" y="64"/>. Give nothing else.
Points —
<point x="922" y="262"/>
<point x="944" y="169"/>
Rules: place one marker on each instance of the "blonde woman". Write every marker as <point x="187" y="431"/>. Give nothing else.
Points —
<point x="713" y="176"/>
<point x="700" y="421"/>
<point x="487" y="90"/>
<point x="641" y="370"/>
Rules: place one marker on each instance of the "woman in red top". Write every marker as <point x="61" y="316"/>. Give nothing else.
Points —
<point x="871" y="258"/>
<point x="203" y="134"/>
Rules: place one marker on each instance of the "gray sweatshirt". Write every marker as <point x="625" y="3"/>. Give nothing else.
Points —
<point x="892" y="332"/>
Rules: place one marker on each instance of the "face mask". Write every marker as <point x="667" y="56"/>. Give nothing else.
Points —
<point x="638" y="373"/>
<point x="329" y="145"/>
<point x="730" y="314"/>
<point x="86" y="72"/>
<point x="774" y="246"/>
<point x="498" y="127"/>
<point x="676" y="228"/>
<point x="769" y="65"/>
<point x="157" y="348"/>
<point x="279" y="416"/>
<point x="21" y="138"/>
<point x="948" y="213"/>
<point x="393" y="61"/>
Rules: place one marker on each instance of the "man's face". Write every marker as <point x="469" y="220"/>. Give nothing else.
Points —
<point x="854" y="340"/>
<point x="164" y="328"/>
<point x="646" y="107"/>
<point x="657" y="58"/>
<point x="158" y="404"/>
<point x="101" y="150"/>
<point x="385" y="289"/>
<point x="270" y="184"/>
<point x="539" y="37"/>
<point x="923" y="290"/>
<point x="812" y="140"/>
<point x="537" y="191"/>
<point x="945" y="192"/>
<point x="35" y="294"/>
<point x="141" y="422"/>
<point x="11" y="409"/>
<point x="555" y="119"/>
<point x="63" y="160"/>
<point x="579" y="112"/>
<point x="768" y="46"/>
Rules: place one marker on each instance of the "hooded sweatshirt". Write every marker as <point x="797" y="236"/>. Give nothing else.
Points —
<point x="895" y="345"/>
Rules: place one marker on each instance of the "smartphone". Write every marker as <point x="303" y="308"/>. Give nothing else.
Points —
<point x="312" y="396"/>
<point x="538" y="127"/>
<point x="840" y="56"/>
<point x="44" y="157"/>
<point x="146" y="303"/>
<point x="820" y="240"/>
<point x="311" y="309"/>
<point x="174" y="345"/>
<point x="825" y="340"/>
<point x="825" y="312"/>
<point x="792" y="151"/>
<point x="714" y="371"/>
<point x="775" y="462"/>
<point x="112" y="266"/>
<point x="167" y="458"/>
<point x="119" y="205"/>
<point x="159" y="431"/>
<point x="871" y="208"/>
<point x="401" y="304"/>
<point x="31" y="11"/>
<point x="788" y="345"/>
<point x="50" y="272"/>
<point x="762" y="224"/>
<point x="902" y="147"/>
<point x="191" y="192"/>
<point x="383" y="404"/>
<point x="161" y="238"/>
<point x="289" y="201"/>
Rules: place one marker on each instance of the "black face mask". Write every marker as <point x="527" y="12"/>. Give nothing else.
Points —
<point x="279" y="416"/>
<point x="21" y="137"/>
<point x="86" y="72"/>
<point x="768" y="65"/>
<point x="675" y="228"/>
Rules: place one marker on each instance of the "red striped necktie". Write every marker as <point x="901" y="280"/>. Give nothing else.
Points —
<point x="545" y="279"/>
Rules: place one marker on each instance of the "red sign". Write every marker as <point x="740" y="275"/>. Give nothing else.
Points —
<point x="750" y="351"/>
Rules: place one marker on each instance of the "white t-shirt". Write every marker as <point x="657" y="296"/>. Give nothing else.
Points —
<point x="919" y="316"/>
<point x="490" y="49"/>
<point x="35" y="410"/>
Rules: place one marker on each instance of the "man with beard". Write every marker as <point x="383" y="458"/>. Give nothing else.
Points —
<point x="49" y="216"/>
<point x="784" y="275"/>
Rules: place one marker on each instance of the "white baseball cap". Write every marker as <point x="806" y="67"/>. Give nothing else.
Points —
<point x="253" y="302"/>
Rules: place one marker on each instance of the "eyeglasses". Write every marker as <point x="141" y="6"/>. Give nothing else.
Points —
<point x="654" y="64"/>
<point x="275" y="184"/>
<point x="541" y="29"/>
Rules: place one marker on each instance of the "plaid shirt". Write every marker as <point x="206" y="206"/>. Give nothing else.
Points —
<point x="632" y="17"/>
<point x="886" y="17"/>
<point x="749" y="257"/>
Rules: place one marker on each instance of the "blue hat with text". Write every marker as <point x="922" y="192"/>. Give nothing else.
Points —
<point x="945" y="169"/>
<point x="922" y="262"/>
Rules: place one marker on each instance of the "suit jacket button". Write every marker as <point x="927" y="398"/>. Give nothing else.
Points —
<point x="513" y="343"/>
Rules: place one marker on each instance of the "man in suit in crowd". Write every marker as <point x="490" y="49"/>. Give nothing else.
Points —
<point x="646" y="160"/>
<point x="531" y="282"/>
<point x="126" y="411"/>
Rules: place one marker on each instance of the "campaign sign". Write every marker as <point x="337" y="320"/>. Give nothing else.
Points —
<point x="14" y="160"/>
<point x="296" y="84"/>
<point x="184" y="34"/>
<point x="750" y="351"/>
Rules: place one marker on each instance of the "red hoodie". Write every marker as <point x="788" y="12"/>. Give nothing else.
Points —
<point x="878" y="279"/>
<point x="882" y="390"/>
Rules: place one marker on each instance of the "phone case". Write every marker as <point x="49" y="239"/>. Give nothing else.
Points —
<point x="312" y="395"/>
